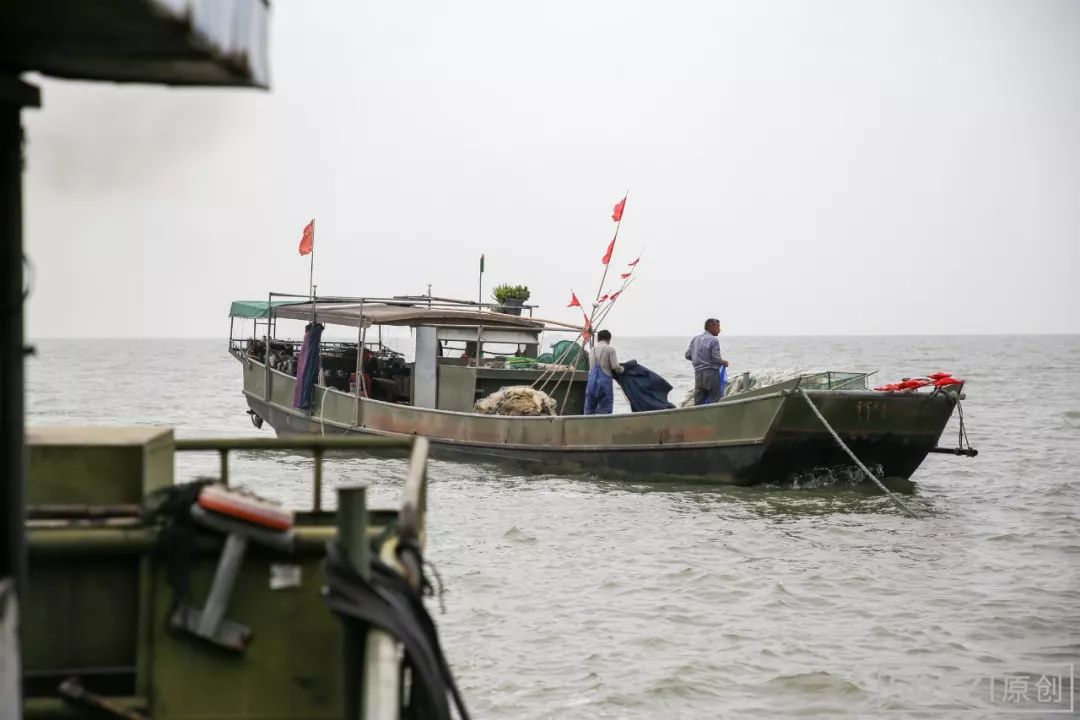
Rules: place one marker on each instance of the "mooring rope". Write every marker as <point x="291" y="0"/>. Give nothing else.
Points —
<point x="322" y="409"/>
<point x="962" y="439"/>
<point x="862" y="467"/>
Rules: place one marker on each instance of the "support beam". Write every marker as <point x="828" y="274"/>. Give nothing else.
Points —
<point x="14" y="96"/>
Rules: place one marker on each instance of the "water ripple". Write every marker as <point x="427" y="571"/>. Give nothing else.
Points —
<point x="585" y="598"/>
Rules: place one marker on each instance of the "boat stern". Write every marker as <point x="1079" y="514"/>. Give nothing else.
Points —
<point x="889" y="432"/>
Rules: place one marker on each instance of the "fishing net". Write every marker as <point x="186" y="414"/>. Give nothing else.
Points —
<point x="517" y="400"/>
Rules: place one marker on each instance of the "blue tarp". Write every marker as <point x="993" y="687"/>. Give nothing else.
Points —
<point x="307" y="369"/>
<point x="643" y="388"/>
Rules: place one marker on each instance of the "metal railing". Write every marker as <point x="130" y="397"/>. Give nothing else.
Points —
<point x="833" y="380"/>
<point x="317" y="445"/>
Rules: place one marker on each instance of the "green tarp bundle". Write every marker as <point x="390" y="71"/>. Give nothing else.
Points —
<point x="574" y="355"/>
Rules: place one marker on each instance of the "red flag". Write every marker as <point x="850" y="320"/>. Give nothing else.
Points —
<point x="634" y="263"/>
<point x="617" y="214"/>
<point x="602" y="298"/>
<point x="615" y="295"/>
<point x="307" y="242"/>
<point x="624" y="275"/>
<point x="610" y="249"/>
<point x="574" y="302"/>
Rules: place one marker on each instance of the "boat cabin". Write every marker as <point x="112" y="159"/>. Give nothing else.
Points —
<point x="461" y="351"/>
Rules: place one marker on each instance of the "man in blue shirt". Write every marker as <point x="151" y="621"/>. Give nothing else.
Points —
<point x="704" y="352"/>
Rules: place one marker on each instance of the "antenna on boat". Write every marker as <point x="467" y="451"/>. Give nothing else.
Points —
<point x="480" y="290"/>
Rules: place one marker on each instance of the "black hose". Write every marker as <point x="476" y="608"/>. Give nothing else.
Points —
<point x="388" y="602"/>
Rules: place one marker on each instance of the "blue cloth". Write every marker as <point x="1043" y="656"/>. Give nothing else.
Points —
<point x="723" y="380"/>
<point x="599" y="393"/>
<point x="307" y="369"/>
<point x="643" y="388"/>
<point x="704" y="352"/>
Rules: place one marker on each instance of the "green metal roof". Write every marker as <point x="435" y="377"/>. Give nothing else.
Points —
<point x="259" y="309"/>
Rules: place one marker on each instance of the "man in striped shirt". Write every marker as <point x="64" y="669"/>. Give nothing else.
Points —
<point x="603" y="364"/>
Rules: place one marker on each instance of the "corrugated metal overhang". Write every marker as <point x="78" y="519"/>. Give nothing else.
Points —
<point x="169" y="42"/>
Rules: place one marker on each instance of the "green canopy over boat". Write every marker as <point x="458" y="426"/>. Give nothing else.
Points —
<point x="259" y="309"/>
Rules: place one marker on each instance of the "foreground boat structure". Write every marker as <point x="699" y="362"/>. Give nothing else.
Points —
<point x="146" y="599"/>
<point x="757" y="435"/>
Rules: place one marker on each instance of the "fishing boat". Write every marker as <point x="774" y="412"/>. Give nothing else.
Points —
<point x="463" y="351"/>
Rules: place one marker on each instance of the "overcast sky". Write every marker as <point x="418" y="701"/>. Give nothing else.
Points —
<point x="794" y="167"/>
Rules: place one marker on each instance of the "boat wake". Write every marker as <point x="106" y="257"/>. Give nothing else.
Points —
<point x="827" y="477"/>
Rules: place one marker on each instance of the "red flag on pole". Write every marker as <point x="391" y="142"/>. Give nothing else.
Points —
<point x="615" y="295"/>
<point x="624" y="275"/>
<point x="610" y="249"/>
<point x="602" y="298"/>
<point x="617" y="214"/>
<point x="633" y="264"/>
<point x="574" y="302"/>
<point x="307" y="242"/>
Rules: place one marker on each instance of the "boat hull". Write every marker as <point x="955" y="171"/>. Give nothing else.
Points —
<point x="766" y="438"/>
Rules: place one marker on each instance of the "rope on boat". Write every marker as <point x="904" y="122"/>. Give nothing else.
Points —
<point x="597" y="318"/>
<point x="322" y="409"/>
<point x="549" y="374"/>
<point x="962" y="439"/>
<point x="846" y="449"/>
<point x="599" y="315"/>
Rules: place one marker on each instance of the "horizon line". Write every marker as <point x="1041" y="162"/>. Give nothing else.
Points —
<point x="732" y="335"/>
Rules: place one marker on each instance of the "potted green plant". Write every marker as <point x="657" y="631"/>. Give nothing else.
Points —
<point x="510" y="298"/>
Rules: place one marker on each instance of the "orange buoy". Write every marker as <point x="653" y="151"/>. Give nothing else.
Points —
<point x="246" y="507"/>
